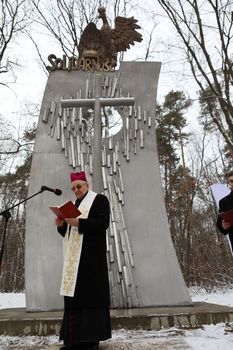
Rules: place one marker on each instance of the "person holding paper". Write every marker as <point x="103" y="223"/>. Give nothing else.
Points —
<point x="226" y="204"/>
<point x="85" y="283"/>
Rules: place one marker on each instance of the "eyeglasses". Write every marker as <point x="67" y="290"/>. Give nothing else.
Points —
<point x="78" y="186"/>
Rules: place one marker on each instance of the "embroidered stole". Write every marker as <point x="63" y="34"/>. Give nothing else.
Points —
<point x="72" y="248"/>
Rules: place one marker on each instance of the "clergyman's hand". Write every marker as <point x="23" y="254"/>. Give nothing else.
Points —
<point x="59" y="222"/>
<point x="226" y="224"/>
<point x="72" y="221"/>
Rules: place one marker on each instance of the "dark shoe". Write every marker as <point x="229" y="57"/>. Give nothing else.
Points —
<point x="64" y="348"/>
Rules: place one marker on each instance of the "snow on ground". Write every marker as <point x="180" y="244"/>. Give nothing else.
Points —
<point x="210" y="337"/>
<point x="9" y="300"/>
<point x="219" y="297"/>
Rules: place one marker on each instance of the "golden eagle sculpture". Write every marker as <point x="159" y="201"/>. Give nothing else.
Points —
<point x="104" y="44"/>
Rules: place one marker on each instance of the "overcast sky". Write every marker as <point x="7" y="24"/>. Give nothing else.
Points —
<point x="31" y="79"/>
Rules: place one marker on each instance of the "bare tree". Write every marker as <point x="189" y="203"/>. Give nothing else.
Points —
<point x="65" y="20"/>
<point x="13" y="20"/>
<point x="15" y="143"/>
<point x="205" y="29"/>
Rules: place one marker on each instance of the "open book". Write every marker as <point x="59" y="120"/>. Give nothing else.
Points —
<point x="67" y="210"/>
<point x="227" y="216"/>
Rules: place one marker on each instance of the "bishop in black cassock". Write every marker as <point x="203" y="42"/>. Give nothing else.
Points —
<point x="86" y="319"/>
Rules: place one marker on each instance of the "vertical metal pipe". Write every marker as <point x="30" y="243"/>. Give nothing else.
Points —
<point x="109" y="87"/>
<point x="78" y="150"/>
<point x="126" y="280"/>
<point x="126" y="256"/>
<point x="66" y="152"/>
<point x="117" y="247"/>
<point x="111" y="255"/>
<point x="58" y="128"/>
<point x="129" y="248"/>
<point x="144" y="116"/>
<point x="149" y="122"/>
<point x="73" y="118"/>
<point x="119" y="194"/>
<point x="72" y="150"/>
<point x="46" y="115"/>
<point x="110" y="143"/>
<point x="80" y="117"/>
<point x="91" y="164"/>
<point x="127" y="146"/>
<point x="104" y="178"/>
<point x="108" y="160"/>
<point x="124" y="148"/>
<point x="111" y="201"/>
<point x="120" y="180"/>
<point x="130" y="111"/>
<point x="87" y="89"/>
<point x="103" y="156"/>
<point x="115" y="186"/>
<point x="69" y="155"/>
<point x="130" y="134"/>
<point x="82" y="161"/>
<point x="117" y="149"/>
<point x="107" y="241"/>
<point x="127" y="123"/>
<point x="114" y="165"/>
<point x="141" y="138"/>
<point x="114" y="85"/>
<point x="136" y="124"/>
<point x="139" y="113"/>
<point x="124" y="293"/>
<point x="62" y="135"/>
<point x="52" y="121"/>
<point x="126" y="236"/>
<point x="97" y="142"/>
<point x="64" y="115"/>
<point x="111" y="229"/>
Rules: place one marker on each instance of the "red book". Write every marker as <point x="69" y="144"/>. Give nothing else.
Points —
<point x="67" y="210"/>
<point x="227" y="216"/>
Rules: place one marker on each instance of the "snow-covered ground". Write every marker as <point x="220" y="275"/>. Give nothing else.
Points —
<point x="211" y="337"/>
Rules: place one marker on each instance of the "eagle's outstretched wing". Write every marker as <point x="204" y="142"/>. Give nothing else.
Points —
<point x="124" y="34"/>
<point x="90" y="38"/>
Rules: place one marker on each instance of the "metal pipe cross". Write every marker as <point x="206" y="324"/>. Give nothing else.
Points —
<point x="96" y="103"/>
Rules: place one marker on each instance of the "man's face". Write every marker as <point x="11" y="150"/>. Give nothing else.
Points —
<point x="230" y="181"/>
<point x="79" y="188"/>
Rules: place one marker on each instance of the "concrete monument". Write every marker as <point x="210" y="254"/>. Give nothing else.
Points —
<point x="143" y="267"/>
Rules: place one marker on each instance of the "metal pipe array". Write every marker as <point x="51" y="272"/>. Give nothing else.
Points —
<point x="69" y="122"/>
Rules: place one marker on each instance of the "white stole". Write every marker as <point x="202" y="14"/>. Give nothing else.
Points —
<point x="72" y="248"/>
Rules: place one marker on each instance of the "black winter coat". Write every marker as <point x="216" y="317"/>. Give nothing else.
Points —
<point x="225" y="204"/>
<point x="92" y="286"/>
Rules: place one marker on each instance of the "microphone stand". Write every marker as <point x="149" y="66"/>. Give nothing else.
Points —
<point x="7" y="215"/>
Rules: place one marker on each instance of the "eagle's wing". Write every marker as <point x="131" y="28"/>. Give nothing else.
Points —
<point x="90" y="38"/>
<point x="124" y="34"/>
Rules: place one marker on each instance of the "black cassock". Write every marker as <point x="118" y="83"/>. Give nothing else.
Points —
<point x="86" y="314"/>
<point x="226" y="203"/>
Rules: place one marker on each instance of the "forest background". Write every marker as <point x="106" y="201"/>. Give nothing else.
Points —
<point x="194" y="114"/>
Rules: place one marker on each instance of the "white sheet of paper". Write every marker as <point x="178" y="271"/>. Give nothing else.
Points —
<point x="219" y="191"/>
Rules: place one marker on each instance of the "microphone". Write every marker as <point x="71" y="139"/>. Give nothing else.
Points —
<point x="55" y="191"/>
